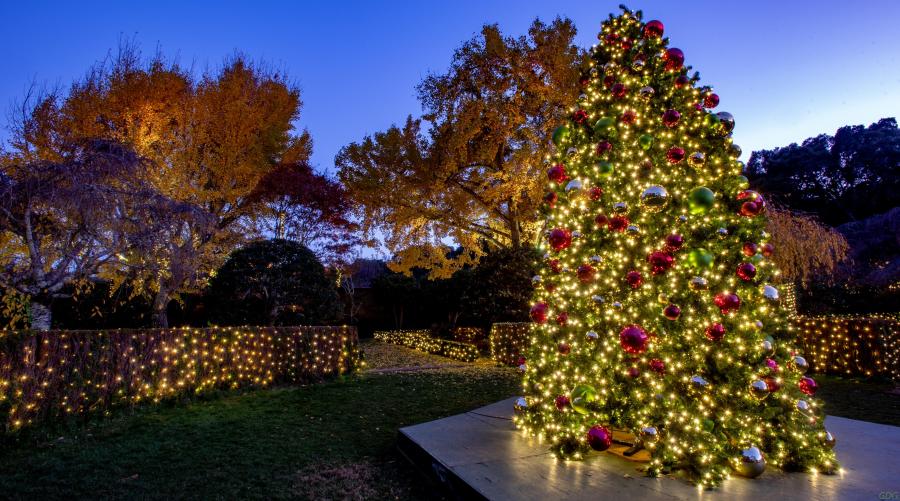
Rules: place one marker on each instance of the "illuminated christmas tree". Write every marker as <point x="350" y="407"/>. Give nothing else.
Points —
<point x="658" y="321"/>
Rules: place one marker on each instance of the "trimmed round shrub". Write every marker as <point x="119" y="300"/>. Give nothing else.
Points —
<point x="273" y="282"/>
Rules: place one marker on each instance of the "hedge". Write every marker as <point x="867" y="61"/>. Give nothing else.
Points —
<point x="53" y="374"/>
<point x="423" y="340"/>
<point x="851" y="345"/>
<point x="509" y="341"/>
<point x="842" y="345"/>
<point x="468" y="334"/>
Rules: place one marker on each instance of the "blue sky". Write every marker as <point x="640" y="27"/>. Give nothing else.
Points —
<point x="786" y="70"/>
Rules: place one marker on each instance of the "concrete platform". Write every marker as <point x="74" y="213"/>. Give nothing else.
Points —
<point x="480" y="455"/>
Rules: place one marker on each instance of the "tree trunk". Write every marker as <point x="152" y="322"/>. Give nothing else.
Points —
<point x="40" y="316"/>
<point x="160" y="309"/>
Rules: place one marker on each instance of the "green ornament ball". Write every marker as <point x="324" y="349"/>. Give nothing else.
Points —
<point x="605" y="127"/>
<point x="709" y="425"/>
<point x="700" y="258"/>
<point x="583" y="395"/>
<point x="701" y="200"/>
<point x="741" y="182"/>
<point x="646" y="141"/>
<point x="605" y="168"/>
<point x="712" y="121"/>
<point x="561" y="135"/>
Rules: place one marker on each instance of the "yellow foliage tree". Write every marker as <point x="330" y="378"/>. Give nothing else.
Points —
<point x="469" y="171"/>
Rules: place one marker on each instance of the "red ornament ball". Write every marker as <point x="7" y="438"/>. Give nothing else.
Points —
<point x="634" y="279"/>
<point x="715" y="332"/>
<point x="675" y="154"/>
<point x="604" y="147"/>
<point x="634" y="339"/>
<point x="653" y="29"/>
<point x="772" y="383"/>
<point x="670" y="118"/>
<point x="608" y="80"/>
<point x="562" y="318"/>
<point x="660" y="262"/>
<point x="564" y="348"/>
<point x="657" y="366"/>
<point x="618" y="90"/>
<point x="746" y="271"/>
<point x="549" y="287"/>
<point x="626" y="44"/>
<point x="672" y="312"/>
<point x="611" y="38"/>
<point x="681" y="81"/>
<point x="539" y="313"/>
<point x="633" y="372"/>
<point x="674" y="242"/>
<point x="727" y="303"/>
<point x="557" y="173"/>
<point x="601" y="220"/>
<point x="753" y="203"/>
<point x="560" y="239"/>
<point x="599" y="438"/>
<point x="674" y="59"/>
<point x="749" y="249"/>
<point x="551" y="198"/>
<point x="628" y="117"/>
<point x="580" y="116"/>
<point x="586" y="273"/>
<point x="595" y="194"/>
<point x="555" y="265"/>
<point x="584" y="80"/>
<point x="562" y="402"/>
<point x="808" y="385"/>
<point x="618" y="223"/>
<point x="711" y="100"/>
<point x="768" y="250"/>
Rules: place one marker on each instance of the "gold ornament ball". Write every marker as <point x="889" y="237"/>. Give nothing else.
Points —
<point x="520" y="405"/>
<point x="829" y="439"/>
<point x="799" y="364"/>
<point x="699" y="284"/>
<point x="697" y="159"/>
<point x="751" y="464"/>
<point x="759" y="389"/>
<point x="654" y="198"/>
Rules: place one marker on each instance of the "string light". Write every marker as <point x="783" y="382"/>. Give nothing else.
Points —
<point x="509" y="341"/>
<point x="656" y="309"/>
<point x="422" y="340"/>
<point x="52" y="374"/>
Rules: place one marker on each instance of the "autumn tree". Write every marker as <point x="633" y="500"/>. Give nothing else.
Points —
<point x="308" y="207"/>
<point x="207" y="141"/>
<point x="63" y="221"/>
<point x="468" y="169"/>
<point x="808" y="251"/>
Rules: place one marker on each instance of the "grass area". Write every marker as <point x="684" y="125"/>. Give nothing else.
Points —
<point x="328" y="441"/>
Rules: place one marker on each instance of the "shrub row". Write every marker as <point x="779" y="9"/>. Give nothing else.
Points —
<point x="852" y="346"/>
<point x="509" y="341"/>
<point x="423" y="340"/>
<point x="468" y="334"/>
<point x="54" y="374"/>
<point x="842" y="345"/>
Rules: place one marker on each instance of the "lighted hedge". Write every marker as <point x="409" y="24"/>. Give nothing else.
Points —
<point x="52" y="374"/>
<point x="422" y="340"/>
<point x="852" y="346"/>
<point x="468" y="334"/>
<point x="509" y="341"/>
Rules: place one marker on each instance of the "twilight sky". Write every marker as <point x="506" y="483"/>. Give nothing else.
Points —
<point x="785" y="69"/>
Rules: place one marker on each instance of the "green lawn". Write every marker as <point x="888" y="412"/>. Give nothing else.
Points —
<point x="333" y="440"/>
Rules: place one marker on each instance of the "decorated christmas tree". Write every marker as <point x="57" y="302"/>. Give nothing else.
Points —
<point x="657" y="306"/>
